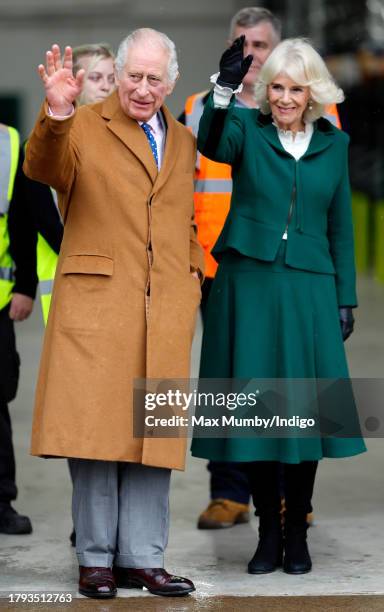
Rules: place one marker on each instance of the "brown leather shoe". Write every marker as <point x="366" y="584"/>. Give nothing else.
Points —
<point x="97" y="582"/>
<point x="222" y="513"/>
<point x="156" y="580"/>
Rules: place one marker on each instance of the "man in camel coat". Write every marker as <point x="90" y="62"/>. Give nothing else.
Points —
<point x="124" y="303"/>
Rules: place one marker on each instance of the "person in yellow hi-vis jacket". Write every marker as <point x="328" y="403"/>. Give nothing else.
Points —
<point x="18" y="283"/>
<point x="229" y="490"/>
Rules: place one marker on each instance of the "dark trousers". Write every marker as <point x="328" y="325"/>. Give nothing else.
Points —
<point x="8" y="490"/>
<point x="238" y="481"/>
<point x="229" y="480"/>
<point x="9" y="375"/>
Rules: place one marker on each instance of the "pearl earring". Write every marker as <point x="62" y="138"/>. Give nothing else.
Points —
<point x="310" y="105"/>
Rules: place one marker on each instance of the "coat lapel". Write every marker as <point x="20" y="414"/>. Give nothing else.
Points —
<point x="171" y="150"/>
<point x="269" y="132"/>
<point x="130" y="133"/>
<point x="322" y="137"/>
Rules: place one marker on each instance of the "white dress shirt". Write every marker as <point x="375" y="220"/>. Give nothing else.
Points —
<point x="297" y="145"/>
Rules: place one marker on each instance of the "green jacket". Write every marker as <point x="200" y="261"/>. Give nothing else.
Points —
<point x="268" y="182"/>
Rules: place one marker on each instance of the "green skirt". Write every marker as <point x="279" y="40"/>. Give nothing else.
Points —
<point x="266" y="320"/>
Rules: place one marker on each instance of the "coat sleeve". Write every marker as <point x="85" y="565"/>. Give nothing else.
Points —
<point x="51" y="154"/>
<point x="340" y="236"/>
<point x="221" y="132"/>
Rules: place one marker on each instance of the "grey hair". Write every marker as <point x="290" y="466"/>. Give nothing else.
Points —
<point x="296" y="58"/>
<point x="253" y="15"/>
<point x="94" y="50"/>
<point x="153" y="37"/>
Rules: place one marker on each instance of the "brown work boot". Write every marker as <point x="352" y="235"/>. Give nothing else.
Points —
<point x="222" y="513"/>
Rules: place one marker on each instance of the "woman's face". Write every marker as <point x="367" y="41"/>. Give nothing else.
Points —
<point x="288" y="101"/>
<point x="99" y="81"/>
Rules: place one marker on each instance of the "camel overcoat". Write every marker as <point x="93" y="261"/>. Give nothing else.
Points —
<point x="129" y="242"/>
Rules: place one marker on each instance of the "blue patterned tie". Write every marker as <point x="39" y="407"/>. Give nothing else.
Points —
<point x="148" y="132"/>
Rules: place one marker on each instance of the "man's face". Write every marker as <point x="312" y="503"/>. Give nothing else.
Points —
<point x="260" y="40"/>
<point x="143" y="84"/>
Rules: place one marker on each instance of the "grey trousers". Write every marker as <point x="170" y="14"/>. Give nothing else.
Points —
<point x="120" y="513"/>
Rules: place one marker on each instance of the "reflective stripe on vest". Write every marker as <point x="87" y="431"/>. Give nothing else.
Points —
<point x="209" y="185"/>
<point x="6" y="274"/>
<point x="331" y="113"/>
<point x="46" y="287"/>
<point x="46" y="268"/>
<point x="9" y="157"/>
<point x="193" y="110"/>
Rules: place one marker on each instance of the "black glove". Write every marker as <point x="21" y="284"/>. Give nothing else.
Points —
<point x="347" y="321"/>
<point x="233" y="65"/>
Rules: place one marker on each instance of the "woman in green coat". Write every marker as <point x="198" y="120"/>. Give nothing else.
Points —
<point x="281" y="303"/>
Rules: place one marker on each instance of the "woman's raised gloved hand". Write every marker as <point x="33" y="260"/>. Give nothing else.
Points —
<point x="233" y="65"/>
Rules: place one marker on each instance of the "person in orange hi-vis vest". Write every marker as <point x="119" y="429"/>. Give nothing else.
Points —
<point x="229" y="489"/>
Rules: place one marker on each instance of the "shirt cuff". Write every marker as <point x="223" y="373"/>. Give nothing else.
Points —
<point x="60" y="117"/>
<point x="222" y="95"/>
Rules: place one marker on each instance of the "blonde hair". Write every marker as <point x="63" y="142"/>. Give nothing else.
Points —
<point x="95" y="52"/>
<point x="296" y="58"/>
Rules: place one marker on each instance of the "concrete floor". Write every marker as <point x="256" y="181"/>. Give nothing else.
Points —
<point x="346" y="542"/>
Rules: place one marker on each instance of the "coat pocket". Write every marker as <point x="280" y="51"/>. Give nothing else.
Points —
<point x="87" y="264"/>
<point x="83" y="292"/>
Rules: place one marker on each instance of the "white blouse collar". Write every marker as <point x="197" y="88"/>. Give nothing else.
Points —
<point x="299" y="136"/>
